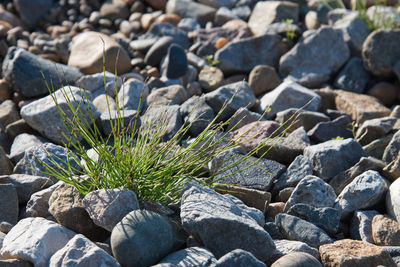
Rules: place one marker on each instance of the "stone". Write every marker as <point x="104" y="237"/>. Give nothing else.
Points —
<point x="393" y="200"/>
<point x="361" y="225"/>
<point x="65" y="204"/>
<point x="385" y="231"/>
<point x="166" y="116"/>
<point x="14" y="129"/>
<point x="300" y="64"/>
<point x="95" y="82"/>
<point x="239" y="258"/>
<point x="300" y="118"/>
<point x="274" y="209"/>
<point x="385" y="92"/>
<point x="176" y="63"/>
<point x="107" y="207"/>
<point x="285" y="246"/>
<point x="129" y="117"/>
<point x="222" y="16"/>
<point x="366" y="190"/>
<point x="157" y="4"/>
<point x="196" y="112"/>
<point x="31" y="12"/>
<point x="373" y="129"/>
<point x="158" y="30"/>
<point x="242" y="117"/>
<point x="313" y="191"/>
<point x="349" y="252"/>
<point x="190" y="9"/>
<point x="21" y="143"/>
<point x="5" y="90"/>
<point x="115" y="9"/>
<point x="377" y="148"/>
<point x="240" y="94"/>
<point x="171" y="95"/>
<point x="133" y="94"/>
<point x="6" y="166"/>
<point x="359" y="106"/>
<point x="297" y="259"/>
<point x="80" y="251"/>
<point x="294" y="228"/>
<point x="267" y="12"/>
<point x="340" y="127"/>
<point x="9" y="203"/>
<point x="20" y="70"/>
<point x="189" y="257"/>
<point x="284" y="194"/>
<point x="147" y="233"/>
<point x="35" y="240"/>
<point x="392" y="170"/>
<point x="263" y="49"/>
<point x="289" y="95"/>
<point x="332" y="157"/>
<point x="44" y="116"/>
<point x="8" y="113"/>
<point x="376" y="57"/>
<point x="392" y="149"/>
<point x="87" y="54"/>
<point x="219" y="3"/>
<point x="353" y="77"/>
<point x="38" y="204"/>
<point x="205" y="213"/>
<point x="158" y="50"/>
<point x="210" y="78"/>
<point x="263" y="78"/>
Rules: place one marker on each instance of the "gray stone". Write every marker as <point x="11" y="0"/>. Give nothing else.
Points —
<point x="273" y="231"/>
<point x="38" y="204"/>
<point x="240" y="93"/>
<point x="158" y="50"/>
<point x="176" y="63"/>
<point x="8" y="203"/>
<point x="107" y="207"/>
<point x="289" y="246"/>
<point x="242" y="117"/>
<point x="20" y="69"/>
<point x="80" y="251"/>
<point x="8" y="113"/>
<point x="21" y="143"/>
<point x="377" y="148"/>
<point x="158" y="30"/>
<point x="170" y="95"/>
<point x="224" y="15"/>
<point x="219" y="3"/>
<point x="374" y="129"/>
<point x="392" y="149"/>
<point x="263" y="78"/>
<point x="184" y="8"/>
<point x="297" y="259"/>
<point x="188" y="24"/>
<point x="6" y="166"/>
<point x="294" y="228"/>
<point x="239" y="258"/>
<point x="361" y="225"/>
<point x="189" y="257"/>
<point x="31" y="12"/>
<point x="353" y="77"/>
<point x="207" y="214"/>
<point x="324" y="131"/>
<point x="393" y="200"/>
<point x="196" y="112"/>
<point x="289" y="95"/>
<point x="146" y="233"/>
<point x="128" y="116"/>
<point x="363" y="192"/>
<point x="313" y="191"/>
<point x="261" y="50"/>
<point x="300" y="118"/>
<point x="300" y="63"/>
<point x="95" y="82"/>
<point x="210" y="78"/>
<point x="332" y="157"/>
<point x="133" y="94"/>
<point x="377" y="57"/>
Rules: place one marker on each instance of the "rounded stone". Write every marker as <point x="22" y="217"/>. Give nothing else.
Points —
<point x="263" y="78"/>
<point x="210" y="78"/>
<point x="141" y="238"/>
<point x="297" y="259"/>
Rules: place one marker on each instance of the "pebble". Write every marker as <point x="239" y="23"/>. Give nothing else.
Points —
<point x="263" y="78"/>
<point x="210" y="78"/>
<point x="176" y="63"/>
<point x="297" y="259"/>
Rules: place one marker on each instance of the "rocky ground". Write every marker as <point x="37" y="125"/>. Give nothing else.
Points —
<point x="332" y="193"/>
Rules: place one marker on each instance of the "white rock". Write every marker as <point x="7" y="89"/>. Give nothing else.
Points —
<point x="38" y="204"/>
<point x="393" y="200"/>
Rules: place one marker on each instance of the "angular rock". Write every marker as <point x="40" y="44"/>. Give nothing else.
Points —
<point x="133" y="94"/>
<point x="300" y="63"/>
<point x="196" y="111"/>
<point x="8" y="113"/>
<point x="385" y="231"/>
<point x="363" y="192"/>
<point x="166" y="116"/>
<point x="158" y="30"/>
<point x="6" y="166"/>
<point x="35" y="240"/>
<point x="242" y="117"/>
<point x="374" y="129"/>
<point x="300" y="118"/>
<point x="297" y="259"/>
<point x="239" y="258"/>
<point x="353" y="77"/>
<point x="21" y="143"/>
<point x="325" y="131"/>
<point x="128" y="116"/>
<point x="331" y="157"/>
<point x="361" y="225"/>
<point x="107" y="207"/>
<point x="377" y="148"/>
<point x="8" y="203"/>
<point x="95" y="82"/>
<point x="393" y="200"/>
<point x="38" y="204"/>
<point x="171" y="95"/>
<point x="290" y="246"/>
<point x="185" y="8"/>
<point x="189" y="257"/>
<point x="392" y="149"/>
<point x="20" y="69"/>
<point x="31" y="12"/>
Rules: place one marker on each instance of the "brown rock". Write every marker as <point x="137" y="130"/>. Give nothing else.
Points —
<point x="157" y="4"/>
<point x="385" y="92"/>
<point x="8" y="113"/>
<point x="385" y="231"/>
<point x="221" y="42"/>
<point x="169" y="18"/>
<point x="327" y="98"/>
<point x="360" y="107"/>
<point x="114" y="9"/>
<point x="274" y="209"/>
<point x="87" y="54"/>
<point x="5" y="90"/>
<point x="354" y="253"/>
<point x="263" y="78"/>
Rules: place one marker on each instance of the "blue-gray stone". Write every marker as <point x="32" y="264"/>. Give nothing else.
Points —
<point x="158" y="30"/>
<point x="176" y="62"/>
<point x="353" y="77"/>
<point x="32" y="11"/>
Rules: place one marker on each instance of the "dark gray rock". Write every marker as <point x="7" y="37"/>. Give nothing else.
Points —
<point x="374" y="129"/>
<point x="158" y="50"/>
<point x="300" y="118"/>
<point x="273" y="231"/>
<point x="332" y="157"/>
<point x="196" y="111"/>
<point x="23" y="71"/>
<point x="108" y="119"/>
<point x="185" y="8"/>
<point x="297" y="259"/>
<point x="8" y="204"/>
<point x="239" y="258"/>
<point x="300" y="63"/>
<point x="189" y="257"/>
<point x="158" y="30"/>
<point x="377" y="147"/>
<point x="176" y="62"/>
<point x="242" y="117"/>
<point x="353" y="77"/>
<point x="361" y="225"/>
<point x="294" y="228"/>
<point x="325" y="131"/>
<point x="31" y="12"/>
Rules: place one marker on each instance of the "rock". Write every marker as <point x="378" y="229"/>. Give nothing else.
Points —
<point x="20" y="69"/>
<point x="360" y="107"/>
<point x="189" y="257"/>
<point x="128" y="117"/>
<point x="385" y="92"/>
<point x="8" y="113"/>
<point x="171" y="95"/>
<point x="267" y="12"/>
<point x="291" y="246"/>
<point x="263" y="49"/>
<point x="80" y="251"/>
<point x="300" y="64"/>
<point x="202" y="208"/>
<point x="313" y="191"/>
<point x="158" y="50"/>
<point x="6" y="166"/>
<point x="300" y="118"/>
<point x="378" y="60"/>
<point x="196" y="112"/>
<point x="374" y="129"/>
<point x="9" y="203"/>
<point x="115" y="9"/>
<point x="5" y="90"/>
<point x="363" y="192"/>
<point x="185" y="8"/>
<point x="145" y="232"/>
<point x="294" y="228"/>
<point x="210" y="78"/>
<point x="239" y="92"/>
<point x="239" y="258"/>
<point x="324" y="131"/>
<point x="393" y="200"/>
<point x="392" y="149"/>
<point x="31" y="12"/>
<point x="65" y="204"/>
<point x="242" y="117"/>
<point x="349" y="252"/>
<point x="38" y="204"/>
<point x="289" y="95"/>
<point x="361" y="225"/>
<point x="176" y="63"/>
<point x="263" y="78"/>
<point x="219" y="3"/>
<point x="107" y="207"/>
<point x="273" y="230"/>
<point x="44" y="116"/>
<point x="21" y="143"/>
<point x="331" y="157"/>
<point x="35" y="240"/>
<point x="297" y="259"/>
<point x="168" y="117"/>
<point x="87" y="54"/>
<point x="14" y="129"/>
<point x="392" y="170"/>
<point x="133" y="94"/>
<point x="353" y="77"/>
<point x="95" y="82"/>
<point x="158" y="30"/>
<point x="377" y="148"/>
<point x="385" y="231"/>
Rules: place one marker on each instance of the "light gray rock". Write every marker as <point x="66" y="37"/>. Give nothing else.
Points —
<point x="133" y="94"/>
<point x="302" y="65"/>
<point x="189" y="257"/>
<point x="184" y="8"/>
<point x="363" y="192"/>
<point x="360" y="225"/>
<point x="289" y="95"/>
<point x="38" y="204"/>
<point x="353" y="77"/>
<point x="393" y="200"/>
<point x="313" y="191"/>
<point x="35" y="240"/>
<point x="197" y="112"/>
<point x="107" y="207"/>
<point x="289" y="246"/>
<point x="80" y="251"/>
<point x="392" y="149"/>
<point x="206" y="214"/>
<point x="21" y="143"/>
<point x="374" y="129"/>
<point x="171" y="95"/>
<point x="297" y="259"/>
<point x="239" y="258"/>
<point x="8" y="203"/>
<point x="95" y="82"/>
<point x="242" y="117"/>
<point x="332" y="157"/>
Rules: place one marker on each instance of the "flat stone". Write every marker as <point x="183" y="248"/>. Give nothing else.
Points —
<point x="353" y="77"/>
<point x="171" y="95"/>
<point x="158" y="30"/>
<point x="8" y="203"/>
<point x="361" y="225"/>
<point x="393" y="200"/>
<point x="21" y="143"/>
<point x="176" y="63"/>
<point x="297" y="259"/>
<point x="239" y="258"/>
<point x="189" y="257"/>
<point x="349" y="252"/>
<point x="385" y="231"/>
<point x="325" y="131"/>
<point x="374" y="129"/>
<point x="290" y="246"/>
<point x="363" y="192"/>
